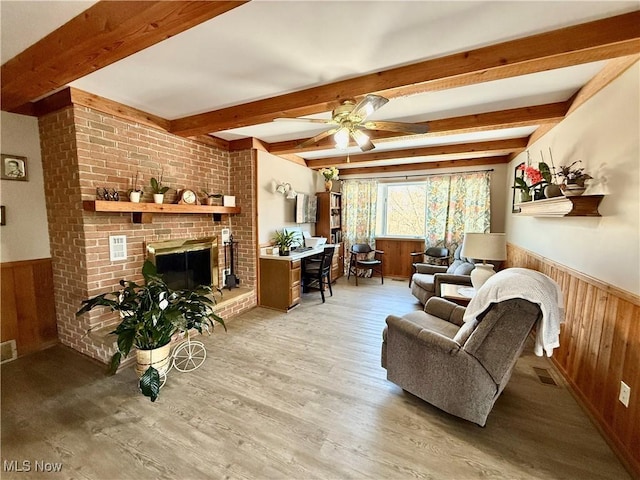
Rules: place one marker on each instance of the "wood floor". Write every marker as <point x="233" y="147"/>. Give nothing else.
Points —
<point x="295" y="396"/>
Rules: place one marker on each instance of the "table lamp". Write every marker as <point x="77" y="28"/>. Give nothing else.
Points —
<point x="483" y="246"/>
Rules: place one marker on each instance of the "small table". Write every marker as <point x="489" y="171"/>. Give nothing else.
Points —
<point x="459" y="294"/>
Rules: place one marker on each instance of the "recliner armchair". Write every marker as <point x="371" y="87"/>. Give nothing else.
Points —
<point x="425" y="283"/>
<point x="458" y="367"/>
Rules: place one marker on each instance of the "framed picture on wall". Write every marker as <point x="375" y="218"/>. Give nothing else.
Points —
<point x="14" y="167"/>
<point x="516" y="191"/>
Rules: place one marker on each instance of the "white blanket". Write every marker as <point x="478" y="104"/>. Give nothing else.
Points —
<point x="530" y="285"/>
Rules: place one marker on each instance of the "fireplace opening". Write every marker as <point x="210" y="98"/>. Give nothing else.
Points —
<point x="185" y="264"/>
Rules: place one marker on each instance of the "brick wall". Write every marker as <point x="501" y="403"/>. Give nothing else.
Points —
<point x="84" y="149"/>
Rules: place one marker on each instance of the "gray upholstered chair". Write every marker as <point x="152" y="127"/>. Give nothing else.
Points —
<point x="459" y="368"/>
<point x="425" y="283"/>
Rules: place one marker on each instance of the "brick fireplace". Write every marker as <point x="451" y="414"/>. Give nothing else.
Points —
<point x="84" y="149"/>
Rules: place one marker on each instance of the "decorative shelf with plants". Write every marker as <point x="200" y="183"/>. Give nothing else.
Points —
<point x="571" y="206"/>
<point x="143" y="212"/>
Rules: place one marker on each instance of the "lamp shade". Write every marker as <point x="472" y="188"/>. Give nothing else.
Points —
<point x="484" y="246"/>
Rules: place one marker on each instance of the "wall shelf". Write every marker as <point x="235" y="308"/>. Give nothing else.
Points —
<point x="579" y="206"/>
<point x="143" y="212"/>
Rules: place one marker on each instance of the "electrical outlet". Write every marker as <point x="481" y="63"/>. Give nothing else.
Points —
<point x="625" y="393"/>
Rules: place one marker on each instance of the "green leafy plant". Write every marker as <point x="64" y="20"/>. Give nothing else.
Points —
<point x="211" y="195"/>
<point x="284" y="239"/>
<point x="156" y="186"/>
<point x="573" y="174"/>
<point x="151" y="314"/>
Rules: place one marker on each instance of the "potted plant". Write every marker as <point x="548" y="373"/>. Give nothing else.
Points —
<point x="135" y="192"/>
<point x="158" y="190"/>
<point x="574" y="178"/>
<point x="210" y="198"/>
<point x="283" y="240"/>
<point x="151" y="314"/>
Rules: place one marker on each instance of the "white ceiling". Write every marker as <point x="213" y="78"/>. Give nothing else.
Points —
<point x="267" y="48"/>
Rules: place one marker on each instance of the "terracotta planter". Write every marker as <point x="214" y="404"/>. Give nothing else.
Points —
<point x="158" y="358"/>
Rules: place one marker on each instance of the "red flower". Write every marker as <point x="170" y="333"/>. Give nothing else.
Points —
<point x="533" y="174"/>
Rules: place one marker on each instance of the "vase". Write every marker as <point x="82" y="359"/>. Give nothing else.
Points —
<point x="284" y="251"/>
<point x="158" y="197"/>
<point x="135" y="196"/>
<point x="552" y="190"/>
<point x="525" y="196"/>
<point x="157" y="358"/>
<point x="328" y="184"/>
<point x="572" y="190"/>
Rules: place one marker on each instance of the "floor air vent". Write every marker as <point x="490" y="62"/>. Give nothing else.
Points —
<point x="8" y="351"/>
<point x="544" y="375"/>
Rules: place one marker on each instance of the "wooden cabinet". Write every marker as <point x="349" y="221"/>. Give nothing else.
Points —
<point x="329" y="225"/>
<point x="280" y="283"/>
<point x="337" y="263"/>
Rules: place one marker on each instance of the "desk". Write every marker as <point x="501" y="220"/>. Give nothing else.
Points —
<point x="280" y="279"/>
<point x="460" y="294"/>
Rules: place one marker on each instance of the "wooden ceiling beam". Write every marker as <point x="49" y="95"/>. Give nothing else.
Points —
<point x="101" y="35"/>
<point x="612" y="70"/>
<point x="511" y="118"/>
<point x="412" y="167"/>
<point x="475" y="149"/>
<point x="598" y="40"/>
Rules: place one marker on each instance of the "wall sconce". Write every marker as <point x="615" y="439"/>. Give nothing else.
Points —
<point x="286" y="190"/>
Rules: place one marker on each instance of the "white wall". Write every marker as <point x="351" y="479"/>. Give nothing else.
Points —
<point x="605" y="134"/>
<point x="274" y="211"/>
<point x="26" y="235"/>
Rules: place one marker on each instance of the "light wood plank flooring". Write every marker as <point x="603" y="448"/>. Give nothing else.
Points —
<point x="295" y="396"/>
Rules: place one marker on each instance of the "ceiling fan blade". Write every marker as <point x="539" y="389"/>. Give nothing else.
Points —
<point x="317" y="138"/>
<point x="309" y="120"/>
<point x="366" y="107"/>
<point x="413" y="128"/>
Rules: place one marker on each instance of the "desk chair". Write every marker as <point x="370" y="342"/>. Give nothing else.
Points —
<point x="317" y="271"/>
<point x="361" y="259"/>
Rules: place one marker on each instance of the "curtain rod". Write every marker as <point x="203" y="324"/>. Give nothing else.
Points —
<point x="420" y="175"/>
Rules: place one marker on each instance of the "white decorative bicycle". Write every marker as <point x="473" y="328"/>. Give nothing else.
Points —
<point x="185" y="357"/>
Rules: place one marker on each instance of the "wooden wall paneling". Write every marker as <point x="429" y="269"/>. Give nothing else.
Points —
<point x="397" y="259"/>
<point x="28" y="312"/>
<point x="599" y="347"/>
<point x="9" y="315"/>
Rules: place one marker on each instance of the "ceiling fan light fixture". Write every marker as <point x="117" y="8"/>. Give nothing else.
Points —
<point x="361" y="138"/>
<point x="342" y="138"/>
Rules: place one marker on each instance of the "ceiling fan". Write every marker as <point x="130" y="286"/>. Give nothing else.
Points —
<point x="349" y="120"/>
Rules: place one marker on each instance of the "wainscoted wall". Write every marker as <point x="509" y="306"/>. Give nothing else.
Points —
<point x="397" y="257"/>
<point x="28" y="313"/>
<point x="599" y="348"/>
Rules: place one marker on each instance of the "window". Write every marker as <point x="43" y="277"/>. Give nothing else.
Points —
<point x="403" y="209"/>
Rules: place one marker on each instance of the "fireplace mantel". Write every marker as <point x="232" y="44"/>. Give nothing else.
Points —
<point x="143" y="212"/>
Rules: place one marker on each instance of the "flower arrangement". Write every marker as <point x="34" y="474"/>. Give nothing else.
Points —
<point x="329" y="173"/>
<point x="573" y="175"/>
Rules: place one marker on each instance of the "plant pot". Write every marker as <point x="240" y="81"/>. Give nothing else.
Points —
<point x="525" y="196"/>
<point x="328" y="185"/>
<point x="572" y="190"/>
<point x="158" y="358"/>
<point x="135" y="196"/>
<point x="284" y="251"/>
<point x="210" y="201"/>
<point x="552" y="190"/>
<point x="158" y="197"/>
